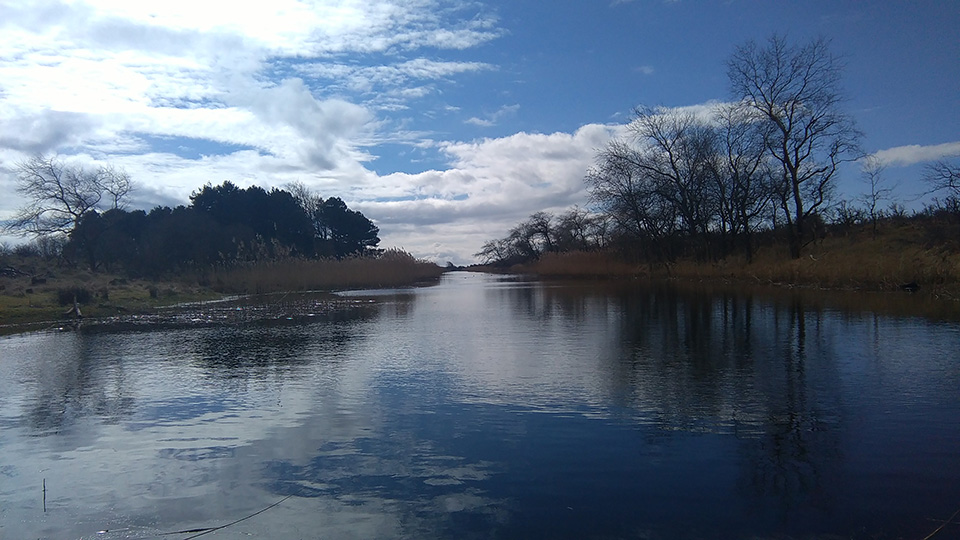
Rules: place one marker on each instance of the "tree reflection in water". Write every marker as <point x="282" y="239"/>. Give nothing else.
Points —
<point x="491" y="408"/>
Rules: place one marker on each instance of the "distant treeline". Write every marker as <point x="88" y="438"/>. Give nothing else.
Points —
<point x="936" y="225"/>
<point x="223" y="225"/>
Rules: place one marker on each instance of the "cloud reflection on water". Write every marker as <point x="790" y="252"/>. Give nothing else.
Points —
<point x="480" y="406"/>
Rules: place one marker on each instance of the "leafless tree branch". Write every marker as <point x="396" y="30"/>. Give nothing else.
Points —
<point x="795" y="89"/>
<point x="59" y="194"/>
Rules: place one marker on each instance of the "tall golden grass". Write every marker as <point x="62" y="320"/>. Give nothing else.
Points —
<point x="860" y="261"/>
<point x="871" y="265"/>
<point x="392" y="268"/>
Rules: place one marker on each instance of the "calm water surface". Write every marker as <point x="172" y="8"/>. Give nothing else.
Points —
<point x="488" y="408"/>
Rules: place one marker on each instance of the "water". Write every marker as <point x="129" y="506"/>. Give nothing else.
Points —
<point x="489" y="408"/>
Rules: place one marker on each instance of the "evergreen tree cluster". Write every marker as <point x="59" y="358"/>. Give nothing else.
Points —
<point x="223" y="225"/>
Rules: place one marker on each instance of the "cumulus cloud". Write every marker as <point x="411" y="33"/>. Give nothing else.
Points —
<point x="491" y="185"/>
<point x="903" y="156"/>
<point x="321" y="131"/>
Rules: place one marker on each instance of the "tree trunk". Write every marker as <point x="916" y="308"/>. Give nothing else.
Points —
<point x="796" y="238"/>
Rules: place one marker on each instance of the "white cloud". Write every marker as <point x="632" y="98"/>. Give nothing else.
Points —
<point x="94" y="76"/>
<point x="320" y="131"/>
<point x="33" y="132"/>
<point x="903" y="156"/>
<point x="129" y="65"/>
<point x="389" y="74"/>
<point x="494" y="117"/>
<point x="389" y="87"/>
<point x="481" y="122"/>
<point x="491" y="186"/>
<point x="280" y="27"/>
<point x="705" y="112"/>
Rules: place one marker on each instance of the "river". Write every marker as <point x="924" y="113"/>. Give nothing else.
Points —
<point x="489" y="407"/>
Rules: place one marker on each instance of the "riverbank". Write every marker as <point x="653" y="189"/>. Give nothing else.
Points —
<point x="896" y="259"/>
<point x="28" y="300"/>
<point x="35" y="292"/>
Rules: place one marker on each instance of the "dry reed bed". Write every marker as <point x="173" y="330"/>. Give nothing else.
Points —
<point x="882" y="264"/>
<point x="391" y="269"/>
<point x="875" y="264"/>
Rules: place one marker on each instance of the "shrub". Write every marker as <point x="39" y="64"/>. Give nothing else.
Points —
<point x="66" y="296"/>
<point x="26" y="250"/>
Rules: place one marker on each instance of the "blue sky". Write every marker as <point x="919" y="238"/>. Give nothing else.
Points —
<point x="444" y="121"/>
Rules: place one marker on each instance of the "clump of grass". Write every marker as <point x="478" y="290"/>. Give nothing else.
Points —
<point x="392" y="268"/>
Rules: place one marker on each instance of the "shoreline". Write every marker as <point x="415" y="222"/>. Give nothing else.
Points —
<point x="39" y="295"/>
<point x="213" y="309"/>
<point x="926" y="302"/>
<point x="120" y="301"/>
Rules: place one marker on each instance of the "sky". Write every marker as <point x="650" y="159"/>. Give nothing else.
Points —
<point x="446" y="122"/>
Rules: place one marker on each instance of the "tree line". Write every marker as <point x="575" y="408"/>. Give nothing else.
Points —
<point x="223" y="225"/>
<point x="544" y="232"/>
<point x="704" y="182"/>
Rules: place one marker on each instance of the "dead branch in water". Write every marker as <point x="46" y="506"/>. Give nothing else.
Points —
<point x="208" y="530"/>
<point x="945" y="523"/>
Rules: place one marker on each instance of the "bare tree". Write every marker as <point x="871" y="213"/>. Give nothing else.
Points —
<point x="59" y="195"/>
<point x="543" y="233"/>
<point x="541" y="229"/>
<point x="312" y="204"/>
<point x="628" y="196"/>
<point x="116" y="184"/>
<point x="677" y="149"/>
<point x="523" y="241"/>
<point x="576" y="229"/>
<point x="743" y="177"/>
<point x="878" y="192"/>
<point x="943" y="175"/>
<point x="796" y="89"/>
<point x="495" y="251"/>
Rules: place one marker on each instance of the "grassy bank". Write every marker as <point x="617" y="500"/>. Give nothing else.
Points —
<point x="859" y="260"/>
<point x="26" y="298"/>
<point x="34" y="290"/>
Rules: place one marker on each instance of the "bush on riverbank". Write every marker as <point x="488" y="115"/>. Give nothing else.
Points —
<point x="67" y="296"/>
